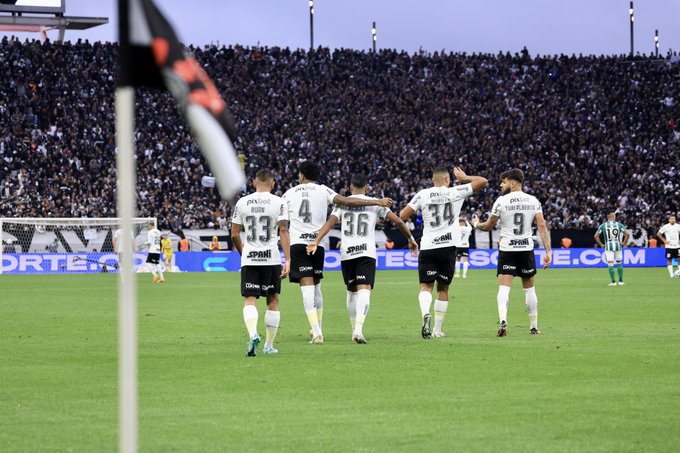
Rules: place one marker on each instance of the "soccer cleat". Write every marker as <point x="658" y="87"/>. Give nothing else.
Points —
<point x="162" y="280"/>
<point x="155" y="278"/>
<point x="612" y="284"/>
<point x="318" y="339"/>
<point x="535" y="331"/>
<point x="502" y="330"/>
<point x="271" y="350"/>
<point x="456" y="275"/>
<point x="621" y="283"/>
<point x="426" y="332"/>
<point x="464" y="276"/>
<point x="359" y="339"/>
<point x="252" y="345"/>
<point x="439" y="334"/>
<point x="311" y="334"/>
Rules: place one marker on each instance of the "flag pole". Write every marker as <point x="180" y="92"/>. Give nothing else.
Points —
<point x="127" y="283"/>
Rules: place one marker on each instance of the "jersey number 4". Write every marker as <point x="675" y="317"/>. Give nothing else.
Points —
<point x="305" y="213"/>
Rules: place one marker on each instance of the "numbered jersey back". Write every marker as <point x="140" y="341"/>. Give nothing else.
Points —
<point x="516" y="211"/>
<point x="440" y="207"/>
<point x="358" y="229"/>
<point x="154" y="241"/>
<point x="307" y="210"/>
<point x="259" y="215"/>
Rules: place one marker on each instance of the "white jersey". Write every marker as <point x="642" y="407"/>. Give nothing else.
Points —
<point x="116" y="239"/>
<point x="465" y="232"/>
<point x="260" y="213"/>
<point x="307" y="210"/>
<point x="154" y="241"/>
<point x="516" y="211"/>
<point x="672" y="235"/>
<point x="357" y="226"/>
<point x="440" y="207"/>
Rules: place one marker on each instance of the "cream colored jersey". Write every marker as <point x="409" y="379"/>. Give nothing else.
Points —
<point x="465" y="232"/>
<point x="260" y="213"/>
<point x="154" y="241"/>
<point x="357" y="226"/>
<point x="516" y="211"/>
<point x="440" y="207"/>
<point x="307" y="210"/>
<point x="672" y="235"/>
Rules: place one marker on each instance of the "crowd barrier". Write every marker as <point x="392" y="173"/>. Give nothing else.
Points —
<point x="55" y="263"/>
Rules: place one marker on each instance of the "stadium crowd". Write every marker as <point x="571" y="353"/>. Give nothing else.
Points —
<point x="591" y="133"/>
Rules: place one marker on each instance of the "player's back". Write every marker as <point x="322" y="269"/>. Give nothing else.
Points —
<point x="440" y="207"/>
<point x="465" y="232"/>
<point x="357" y="227"/>
<point x="154" y="240"/>
<point x="259" y="213"/>
<point x="612" y="233"/>
<point x="516" y="211"/>
<point x="307" y="206"/>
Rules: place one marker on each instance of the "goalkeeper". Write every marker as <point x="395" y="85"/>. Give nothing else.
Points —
<point x="166" y="248"/>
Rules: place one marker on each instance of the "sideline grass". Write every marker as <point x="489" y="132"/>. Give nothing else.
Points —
<point x="604" y="376"/>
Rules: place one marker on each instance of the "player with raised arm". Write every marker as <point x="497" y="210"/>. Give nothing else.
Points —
<point x="153" y="259"/>
<point x="670" y="237"/>
<point x="308" y="209"/>
<point x="613" y="248"/>
<point x="440" y="206"/>
<point x="260" y="215"/>
<point x="516" y="212"/>
<point x="463" y="247"/>
<point x="358" y="250"/>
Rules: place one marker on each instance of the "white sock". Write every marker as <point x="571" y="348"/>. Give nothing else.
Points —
<point x="503" y="298"/>
<point x="160" y="271"/>
<point x="271" y="323"/>
<point x="457" y="267"/>
<point x="310" y="308"/>
<point x="363" y="304"/>
<point x="425" y="300"/>
<point x="250" y="318"/>
<point x="352" y="307"/>
<point x="318" y="300"/>
<point x="670" y="270"/>
<point x="532" y="306"/>
<point x="152" y="268"/>
<point x="465" y="268"/>
<point x="440" y="307"/>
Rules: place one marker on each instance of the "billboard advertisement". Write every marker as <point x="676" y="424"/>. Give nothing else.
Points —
<point x="55" y="263"/>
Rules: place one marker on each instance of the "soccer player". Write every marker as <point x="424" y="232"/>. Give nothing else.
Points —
<point x="670" y="237"/>
<point x="516" y="211"/>
<point x="440" y="206"/>
<point x="358" y="250"/>
<point x="166" y="248"/>
<point x="153" y="259"/>
<point x="260" y="215"/>
<point x="463" y="247"/>
<point x="612" y="232"/>
<point x="307" y="209"/>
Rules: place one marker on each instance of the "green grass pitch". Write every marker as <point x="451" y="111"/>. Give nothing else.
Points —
<point x="604" y="376"/>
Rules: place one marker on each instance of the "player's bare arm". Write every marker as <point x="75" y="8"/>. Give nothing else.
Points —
<point x="236" y="237"/>
<point x="354" y="202"/>
<point x="626" y="238"/>
<point x="477" y="182"/>
<point x="406" y="213"/>
<point x="545" y="237"/>
<point x="412" y="244"/>
<point x="284" y="236"/>
<point x="661" y="237"/>
<point x="484" y="226"/>
<point x="597" y="239"/>
<point x="311" y="248"/>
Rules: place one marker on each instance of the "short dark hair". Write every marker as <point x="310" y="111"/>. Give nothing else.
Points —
<point x="439" y="171"/>
<point x="310" y="170"/>
<point x="359" y="180"/>
<point x="515" y="174"/>
<point x="264" y="175"/>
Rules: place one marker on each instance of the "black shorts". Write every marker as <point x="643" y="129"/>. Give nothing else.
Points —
<point x="358" y="271"/>
<point x="153" y="258"/>
<point x="518" y="264"/>
<point x="260" y="280"/>
<point x="437" y="264"/>
<point x="462" y="251"/>
<point x="303" y="265"/>
<point x="671" y="253"/>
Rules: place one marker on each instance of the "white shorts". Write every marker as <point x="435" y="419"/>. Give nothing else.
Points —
<point x="613" y="256"/>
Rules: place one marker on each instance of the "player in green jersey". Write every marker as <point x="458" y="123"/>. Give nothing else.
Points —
<point x="612" y="231"/>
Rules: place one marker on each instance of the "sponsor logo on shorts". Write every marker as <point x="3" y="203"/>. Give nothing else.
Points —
<point x="252" y="286"/>
<point x="526" y="271"/>
<point x="308" y="235"/>
<point x="361" y="277"/>
<point x="357" y="248"/>
<point x="305" y="268"/>
<point x="431" y="272"/>
<point x="508" y="267"/>
<point x="267" y="287"/>
<point x="444" y="238"/>
<point x="519" y="242"/>
<point x="351" y="280"/>
<point x="261" y="255"/>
